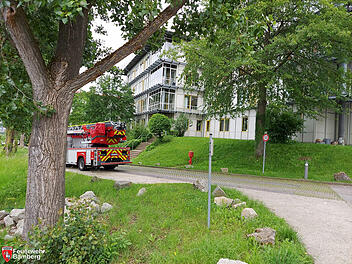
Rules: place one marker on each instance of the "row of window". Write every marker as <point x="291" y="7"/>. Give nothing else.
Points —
<point x="168" y="77"/>
<point x="224" y="124"/>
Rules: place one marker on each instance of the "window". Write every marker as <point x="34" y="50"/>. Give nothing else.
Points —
<point x="224" y="124"/>
<point x="143" y="85"/>
<point x="199" y="125"/>
<point x="169" y="74"/>
<point x="244" y="123"/>
<point x="208" y="125"/>
<point x="191" y="102"/>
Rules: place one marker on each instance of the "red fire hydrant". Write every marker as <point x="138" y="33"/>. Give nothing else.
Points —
<point x="190" y="155"/>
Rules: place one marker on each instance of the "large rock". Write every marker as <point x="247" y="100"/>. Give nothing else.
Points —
<point x="19" y="228"/>
<point x="95" y="206"/>
<point x="89" y="195"/>
<point x="8" y="238"/>
<point x="122" y="184"/>
<point x="264" y="235"/>
<point x="341" y="176"/>
<point x="236" y="205"/>
<point x="201" y="185"/>
<point x="141" y="191"/>
<point x="223" y="201"/>
<point x="248" y="213"/>
<point x="105" y="207"/>
<point x="230" y="261"/>
<point x="218" y="192"/>
<point x="17" y="214"/>
<point x="3" y="213"/>
<point x="9" y="221"/>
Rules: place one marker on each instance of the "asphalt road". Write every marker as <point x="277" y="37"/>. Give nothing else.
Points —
<point x="320" y="213"/>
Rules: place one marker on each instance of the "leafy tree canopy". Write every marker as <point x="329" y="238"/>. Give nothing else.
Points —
<point x="109" y="100"/>
<point x="289" y="49"/>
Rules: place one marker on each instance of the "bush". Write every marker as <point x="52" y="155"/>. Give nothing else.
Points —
<point x="159" y="125"/>
<point x="180" y="125"/>
<point x="80" y="239"/>
<point x="140" y="132"/>
<point x="282" y="124"/>
<point x="158" y="142"/>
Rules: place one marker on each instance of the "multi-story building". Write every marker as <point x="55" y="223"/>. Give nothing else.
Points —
<point x="157" y="86"/>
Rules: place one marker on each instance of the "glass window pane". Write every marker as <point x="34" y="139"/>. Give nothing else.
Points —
<point x="227" y="124"/>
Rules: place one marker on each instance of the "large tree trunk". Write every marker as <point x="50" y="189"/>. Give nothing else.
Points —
<point x="260" y="121"/>
<point x="46" y="165"/>
<point x="10" y="135"/>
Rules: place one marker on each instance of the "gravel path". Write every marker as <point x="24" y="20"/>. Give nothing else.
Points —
<point x="320" y="213"/>
<point x="324" y="225"/>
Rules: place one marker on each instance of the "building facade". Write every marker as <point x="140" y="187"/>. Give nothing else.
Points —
<point x="157" y="86"/>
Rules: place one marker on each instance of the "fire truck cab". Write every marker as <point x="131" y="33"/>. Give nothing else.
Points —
<point x="88" y="145"/>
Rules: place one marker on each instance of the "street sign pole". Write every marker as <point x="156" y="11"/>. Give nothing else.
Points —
<point x="211" y="149"/>
<point x="265" y="139"/>
<point x="264" y="156"/>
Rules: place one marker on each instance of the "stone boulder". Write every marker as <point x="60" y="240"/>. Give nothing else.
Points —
<point x="248" y="213"/>
<point x="230" y="261"/>
<point x="8" y="238"/>
<point x="141" y="191"/>
<point x="122" y="184"/>
<point x="105" y="207"/>
<point x="3" y="213"/>
<point x="9" y="221"/>
<point x="89" y="195"/>
<point x="201" y="185"/>
<point x="224" y="170"/>
<point x="218" y="192"/>
<point x="19" y="227"/>
<point x="95" y="206"/>
<point x="17" y="214"/>
<point x="236" y="205"/>
<point x="223" y="201"/>
<point x="341" y="176"/>
<point x="95" y="179"/>
<point x="264" y="235"/>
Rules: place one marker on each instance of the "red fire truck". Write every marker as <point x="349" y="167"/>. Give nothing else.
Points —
<point x="88" y="145"/>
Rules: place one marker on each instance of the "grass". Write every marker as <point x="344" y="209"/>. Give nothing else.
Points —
<point x="168" y="223"/>
<point x="282" y="160"/>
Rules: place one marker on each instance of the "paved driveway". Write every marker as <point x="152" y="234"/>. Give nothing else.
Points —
<point x="320" y="213"/>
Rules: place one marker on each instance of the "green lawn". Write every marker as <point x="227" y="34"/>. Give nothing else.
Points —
<point x="168" y="223"/>
<point x="283" y="160"/>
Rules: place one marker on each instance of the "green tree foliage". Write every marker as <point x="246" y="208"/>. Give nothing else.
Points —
<point x="265" y="52"/>
<point x="180" y="125"/>
<point x="109" y="100"/>
<point x="159" y="125"/>
<point x="282" y="124"/>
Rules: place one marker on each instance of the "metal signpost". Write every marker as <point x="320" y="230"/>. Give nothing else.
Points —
<point x="265" y="139"/>
<point x="211" y="150"/>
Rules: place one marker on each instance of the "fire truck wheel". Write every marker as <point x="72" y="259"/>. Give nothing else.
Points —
<point x="109" y="167"/>
<point x="81" y="164"/>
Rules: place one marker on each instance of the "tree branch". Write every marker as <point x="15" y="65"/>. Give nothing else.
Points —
<point x="17" y="25"/>
<point x="131" y="46"/>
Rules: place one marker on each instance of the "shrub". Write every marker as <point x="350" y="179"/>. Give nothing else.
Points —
<point x="140" y="132"/>
<point x="159" y="125"/>
<point x="80" y="239"/>
<point x="282" y="124"/>
<point x="180" y="125"/>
